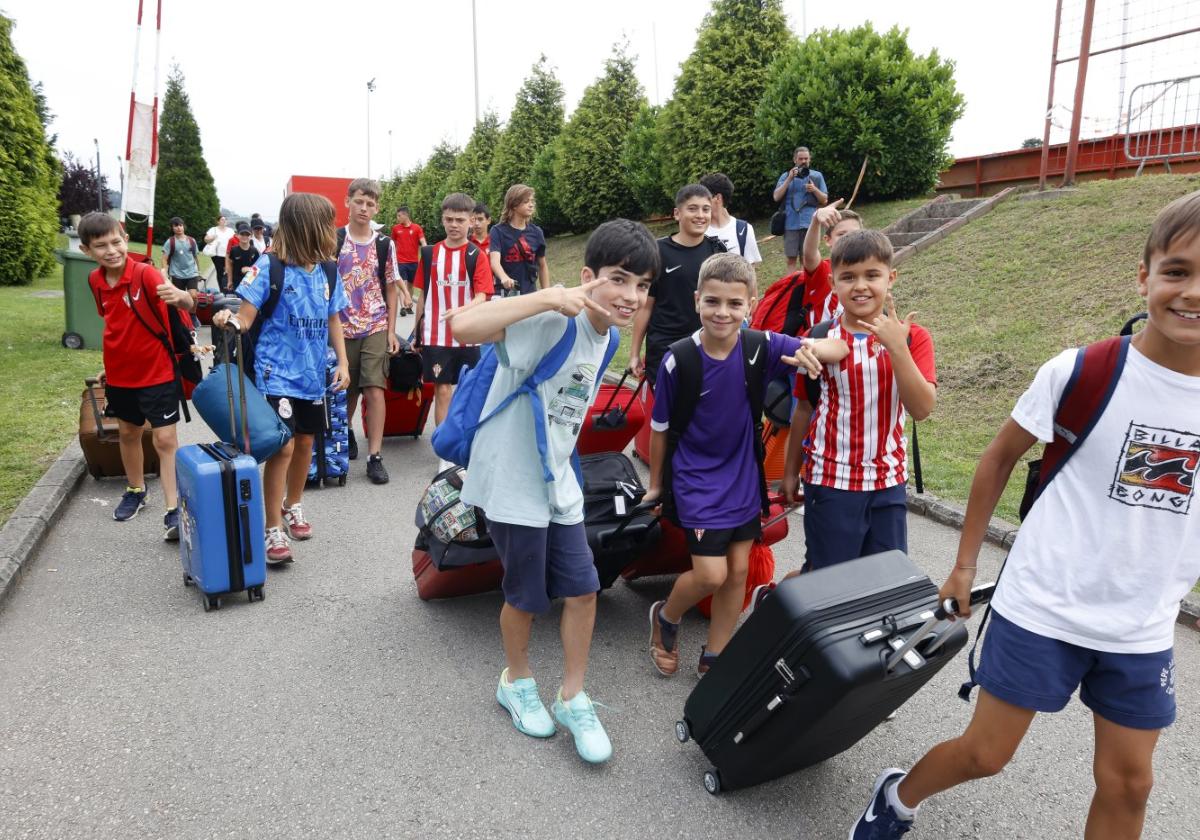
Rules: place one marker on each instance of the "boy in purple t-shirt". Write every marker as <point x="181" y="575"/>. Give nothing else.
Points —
<point x="715" y="483"/>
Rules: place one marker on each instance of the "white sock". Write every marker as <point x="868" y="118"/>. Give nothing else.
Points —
<point x="891" y="792"/>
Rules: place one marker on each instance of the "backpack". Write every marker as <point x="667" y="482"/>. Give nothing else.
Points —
<point x="777" y="311"/>
<point x="383" y="251"/>
<point x="274" y="293"/>
<point x="741" y="228"/>
<point x="169" y="248"/>
<point x="175" y="336"/>
<point x="452" y="439"/>
<point x="688" y="382"/>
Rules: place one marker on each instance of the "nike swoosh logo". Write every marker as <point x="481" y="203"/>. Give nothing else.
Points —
<point x="137" y="296"/>
<point x="754" y="358"/>
<point x="672" y="268"/>
<point x="172" y="414"/>
<point x="870" y="815"/>
<point x="705" y="393"/>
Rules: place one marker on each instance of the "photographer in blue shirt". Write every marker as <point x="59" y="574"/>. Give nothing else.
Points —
<point x="802" y="190"/>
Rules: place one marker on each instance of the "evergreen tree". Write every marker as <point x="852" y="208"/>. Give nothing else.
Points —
<point x="589" y="181"/>
<point x="185" y="186"/>
<point x="708" y="126"/>
<point x="396" y="192"/>
<point x="856" y="94"/>
<point x="429" y="188"/>
<point x="471" y="167"/>
<point x="549" y="216"/>
<point x="536" y="119"/>
<point x="642" y="163"/>
<point x="29" y="174"/>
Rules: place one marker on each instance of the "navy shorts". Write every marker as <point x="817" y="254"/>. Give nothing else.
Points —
<point x="841" y="525"/>
<point x="408" y="271"/>
<point x="544" y="563"/>
<point x="1034" y="672"/>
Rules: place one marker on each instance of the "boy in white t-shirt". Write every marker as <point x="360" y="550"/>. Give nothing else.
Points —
<point x="737" y="234"/>
<point x="1091" y="589"/>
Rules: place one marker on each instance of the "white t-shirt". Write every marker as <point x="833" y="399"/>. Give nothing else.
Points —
<point x="220" y="244"/>
<point x="505" y="477"/>
<point x="1113" y="544"/>
<point x="728" y="235"/>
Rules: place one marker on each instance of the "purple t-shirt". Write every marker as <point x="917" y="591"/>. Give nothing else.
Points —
<point x="714" y="474"/>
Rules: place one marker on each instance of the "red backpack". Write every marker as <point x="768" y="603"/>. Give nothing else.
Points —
<point x="782" y="308"/>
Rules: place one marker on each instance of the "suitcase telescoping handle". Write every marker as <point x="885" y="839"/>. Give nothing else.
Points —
<point x="614" y="418"/>
<point x="229" y="391"/>
<point x="630" y="515"/>
<point x="905" y="651"/>
<point x="92" y="382"/>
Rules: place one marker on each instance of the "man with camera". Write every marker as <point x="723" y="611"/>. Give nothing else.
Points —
<point x="801" y="190"/>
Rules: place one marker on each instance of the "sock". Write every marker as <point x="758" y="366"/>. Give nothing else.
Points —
<point x="168" y="510"/>
<point x="129" y="489"/>
<point x="668" y="630"/>
<point x="892" y="794"/>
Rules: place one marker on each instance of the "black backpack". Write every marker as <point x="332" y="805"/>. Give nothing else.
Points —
<point x="275" y="278"/>
<point x="688" y="382"/>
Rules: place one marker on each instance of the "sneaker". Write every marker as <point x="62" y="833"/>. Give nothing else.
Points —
<point x="132" y="501"/>
<point x="759" y="593"/>
<point x="279" y="548"/>
<point x="295" y="523"/>
<point x="171" y="524"/>
<point x="664" y="652"/>
<point x="520" y="699"/>
<point x="706" y="661"/>
<point x="376" y="471"/>
<point x="578" y="716"/>
<point x="353" y="446"/>
<point x="880" y="820"/>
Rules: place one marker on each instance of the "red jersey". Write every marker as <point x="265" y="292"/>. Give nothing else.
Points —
<point x="451" y="288"/>
<point x="857" y="427"/>
<point x="408" y="242"/>
<point x="133" y="356"/>
<point x="483" y="246"/>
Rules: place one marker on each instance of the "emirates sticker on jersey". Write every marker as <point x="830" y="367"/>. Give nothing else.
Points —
<point x="1157" y="469"/>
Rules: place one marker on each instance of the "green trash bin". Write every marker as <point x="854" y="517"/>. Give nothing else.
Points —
<point x="85" y="327"/>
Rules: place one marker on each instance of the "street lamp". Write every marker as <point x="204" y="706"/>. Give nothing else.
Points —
<point x="370" y="90"/>
<point x="391" y="169"/>
<point x="99" y="191"/>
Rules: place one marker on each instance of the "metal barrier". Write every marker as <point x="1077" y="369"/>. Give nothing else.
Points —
<point x="1163" y="121"/>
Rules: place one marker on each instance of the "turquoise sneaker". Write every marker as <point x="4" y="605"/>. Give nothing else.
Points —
<point x="579" y="718"/>
<point x="520" y="699"/>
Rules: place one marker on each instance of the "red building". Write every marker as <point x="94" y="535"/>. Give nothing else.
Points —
<point x="332" y="188"/>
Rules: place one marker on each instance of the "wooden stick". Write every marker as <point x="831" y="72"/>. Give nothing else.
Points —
<point x="858" y="183"/>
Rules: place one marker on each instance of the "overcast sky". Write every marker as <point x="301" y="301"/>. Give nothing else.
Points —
<point x="279" y="88"/>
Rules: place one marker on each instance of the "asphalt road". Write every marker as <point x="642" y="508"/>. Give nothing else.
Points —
<point x="344" y="707"/>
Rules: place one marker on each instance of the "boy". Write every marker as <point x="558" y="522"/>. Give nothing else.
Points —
<point x="538" y="525"/>
<point x="366" y="263"/>
<point x="447" y="284"/>
<point x="670" y="310"/>
<point x="139" y="374"/>
<point x="736" y="234"/>
<point x="261" y="239"/>
<point x="179" y="258"/>
<point x="715" y="482"/>
<point x="241" y="257"/>
<point x="854" y="477"/>
<point x="1094" y="580"/>
<point x="409" y="238"/>
<point x="481" y="220"/>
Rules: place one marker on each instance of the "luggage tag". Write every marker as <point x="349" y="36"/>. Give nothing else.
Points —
<point x="628" y="491"/>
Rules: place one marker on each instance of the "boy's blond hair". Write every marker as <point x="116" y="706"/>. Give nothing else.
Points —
<point x="728" y="268"/>
<point x="1178" y="220"/>
<point x="305" y="234"/>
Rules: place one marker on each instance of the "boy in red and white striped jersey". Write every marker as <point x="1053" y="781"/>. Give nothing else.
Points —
<point x="457" y="273"/>
<point x="855" y="473"/>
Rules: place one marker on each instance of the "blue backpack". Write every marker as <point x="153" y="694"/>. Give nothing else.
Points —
<point x="453" y="438"/>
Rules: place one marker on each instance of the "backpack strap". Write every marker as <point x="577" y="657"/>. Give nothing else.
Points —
<point x="192" y="245"/>
<point x="164" y="337"/>
<point x="741" y="228"/>
<point x="812" y="387"/>
<point x="755" y="358"/>
<point x="274" y="288"/>
<point x="426" y="266"/>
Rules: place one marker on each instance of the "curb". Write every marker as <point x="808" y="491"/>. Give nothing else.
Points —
<point x="1002" y="534"/>
<point x="41" y="507"/>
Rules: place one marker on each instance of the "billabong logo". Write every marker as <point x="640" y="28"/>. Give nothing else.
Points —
<point x="1157" y="469"/>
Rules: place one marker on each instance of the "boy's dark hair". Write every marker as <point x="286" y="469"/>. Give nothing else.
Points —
<point x="366" y="186"/>
<point x="691" y="191"/>
<point x="458" y="203"/>
<point x="718" y="183"/>
<point x="624" y="244"/>
<point x="728" y="267"/>
<point x="95" y="225"/>
<point x="175" y="220"/>
<point x="481" y="209"/>
<point x="860" y="246"/>
<point x="1178" y="220"/>
<point x="403" y="208"/>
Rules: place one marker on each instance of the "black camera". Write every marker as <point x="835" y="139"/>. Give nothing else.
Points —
<point x="803" y="173"/>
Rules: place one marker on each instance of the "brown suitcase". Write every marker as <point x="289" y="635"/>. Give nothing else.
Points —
<point x="100" y="440"/>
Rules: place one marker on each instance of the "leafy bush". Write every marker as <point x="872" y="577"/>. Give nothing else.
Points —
<point x="589" y="181"/>
<point x="641" y="161"/>
<point x="79" y="192"/>
<point x="536" y="119"/>
<point x="550" y="216"/>
<point x="856" y="93"/>
<point x="428" y="190"/>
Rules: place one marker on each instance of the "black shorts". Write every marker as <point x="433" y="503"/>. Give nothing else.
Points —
<point x="157" y="403"/>
<point x="301" y="416"/>
<point x="715" y="542"/>
<point x="408" y="271"/>
<point x="444" y="364"/>
<point x="186" y="284"/>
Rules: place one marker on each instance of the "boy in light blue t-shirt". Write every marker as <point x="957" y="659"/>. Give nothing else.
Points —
<point x="537" y="525"/>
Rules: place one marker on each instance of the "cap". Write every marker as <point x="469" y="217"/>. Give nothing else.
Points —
<point x="243" y="227"/>
<point x="257" y="224"/>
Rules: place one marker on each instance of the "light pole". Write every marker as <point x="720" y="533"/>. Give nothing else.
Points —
<point x="99" y="189"/>
<point x="370" y="90"/>
<point x="391" y="169"/>
<point x="475" y="52"/>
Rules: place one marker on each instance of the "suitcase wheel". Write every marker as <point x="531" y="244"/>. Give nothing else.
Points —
<point x="187" y="579"/>
<point x="712" y="781"/>
<point x="342" y="480"/>
<point x="255" y="593"/>
<point x="211" y="602"/>
<point x="682" y="731"/>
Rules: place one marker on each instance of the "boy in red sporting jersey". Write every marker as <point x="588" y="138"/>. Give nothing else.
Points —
<point x="450" y="274"/>
<point x="855" y="475"/>
<point x="139" y="374"/>
<point x="409" y="238"/>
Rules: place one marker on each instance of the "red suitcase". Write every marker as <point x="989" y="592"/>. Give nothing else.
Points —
<point x="433" y="583"/>
<point x="406" y="413"/>
<point x="641" y="441"/>
<point x="615" y="417"/>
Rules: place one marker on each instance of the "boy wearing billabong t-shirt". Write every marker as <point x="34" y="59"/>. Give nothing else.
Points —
<point x="1091" y="589"/>
<point x="715" y="481"/>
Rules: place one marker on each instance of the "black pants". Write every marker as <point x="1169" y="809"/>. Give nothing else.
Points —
<point x="219" y="265"/>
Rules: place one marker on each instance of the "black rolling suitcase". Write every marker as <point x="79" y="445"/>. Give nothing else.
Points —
<point x="617" y="527"/>
<point x="822" y="661"/>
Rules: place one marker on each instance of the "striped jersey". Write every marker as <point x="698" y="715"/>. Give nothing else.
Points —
<point x="451" y="288"/>
<point x="856" y="435"/>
